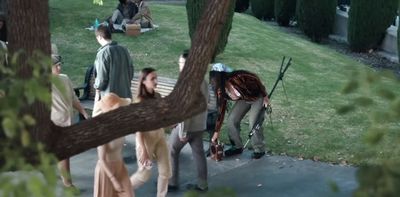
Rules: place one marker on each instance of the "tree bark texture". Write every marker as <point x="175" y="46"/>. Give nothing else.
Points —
<point x="29" y="38"/>
<point x="3" y="7"/>
<point x="195" y="10"/>
<point x="29" y="31"/>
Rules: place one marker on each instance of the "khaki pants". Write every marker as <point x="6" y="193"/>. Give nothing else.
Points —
<point x="239" y="110"/>
<point x="160" y="150"/>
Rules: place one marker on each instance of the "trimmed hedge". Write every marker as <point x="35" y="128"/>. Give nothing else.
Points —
<point x="316" y="17"/>
<point x="194" y="9"/>
<point x="262" y="9"/>
<point x="242" y="5"/>
<point x="368" y="21"/>
<point x="284" y="10"/>
<point x="343" y="2"/>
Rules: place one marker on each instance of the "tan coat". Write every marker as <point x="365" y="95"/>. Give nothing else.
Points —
<point x="62" y="101"/>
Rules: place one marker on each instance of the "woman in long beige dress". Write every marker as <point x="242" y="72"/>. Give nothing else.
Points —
<point x="151" y="145"/>
<point x="111" y="177"/>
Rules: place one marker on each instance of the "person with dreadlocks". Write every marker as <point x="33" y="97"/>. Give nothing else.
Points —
<point x="250" y="96"/>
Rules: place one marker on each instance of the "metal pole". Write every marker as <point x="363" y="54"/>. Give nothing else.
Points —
<point x="260" y="115"/>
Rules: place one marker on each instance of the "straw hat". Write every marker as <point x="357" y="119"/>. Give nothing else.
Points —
<point x="112" y="101"/>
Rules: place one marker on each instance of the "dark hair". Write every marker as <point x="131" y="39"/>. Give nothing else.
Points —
<point x="185" y="53"/>
<point x="123" y="1"/>
<point x="3" y="30"/>
<point x="142" y="92"/>
<point x="217" y="82"/>
<point x="104" y="32"/>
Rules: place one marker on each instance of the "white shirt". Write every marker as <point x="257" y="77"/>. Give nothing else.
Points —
<point x="62" y="101"/>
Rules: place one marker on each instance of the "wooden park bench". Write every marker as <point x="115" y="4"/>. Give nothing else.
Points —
<point x="86" y="93"/>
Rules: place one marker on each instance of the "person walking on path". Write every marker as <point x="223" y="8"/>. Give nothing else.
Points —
<point x="111" y="177"/>
<point x="190" y="131"/>
<point x="250" y="95"/>
<point x="151" y="145"/>
<point x="113" y="67"/>
<point x="64" y="101"/>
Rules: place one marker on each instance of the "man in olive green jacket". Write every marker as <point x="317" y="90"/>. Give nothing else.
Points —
<point x="113" y="67"/>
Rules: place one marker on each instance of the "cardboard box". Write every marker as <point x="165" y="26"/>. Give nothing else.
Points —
<point x="132" y="29"/>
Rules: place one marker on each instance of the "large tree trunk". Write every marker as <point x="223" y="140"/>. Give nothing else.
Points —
<point x="30" y="32"/>
<point x="196" y="8"/>
<point x="29" y="38"/>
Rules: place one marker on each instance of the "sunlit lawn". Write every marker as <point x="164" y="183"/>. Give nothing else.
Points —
<point x="303" y="125"/>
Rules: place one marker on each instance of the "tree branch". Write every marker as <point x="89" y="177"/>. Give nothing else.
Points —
<point x="183" y="102"/>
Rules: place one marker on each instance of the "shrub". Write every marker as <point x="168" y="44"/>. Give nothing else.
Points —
<point x="241" y="5"/>
<point x="284" y="10"/>
<point x="194" y="9"/>
<point x="343" y="2"/>
<point x="368" y="21"/>
<point x="316" y="17"/>
<point x="262" y="9"/>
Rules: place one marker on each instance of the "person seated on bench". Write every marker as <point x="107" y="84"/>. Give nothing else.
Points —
<point x="143" y="16"/>
<point x="125" y="11"/>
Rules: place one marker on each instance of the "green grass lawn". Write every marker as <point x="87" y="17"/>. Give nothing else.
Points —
<point x="306" y="125"/>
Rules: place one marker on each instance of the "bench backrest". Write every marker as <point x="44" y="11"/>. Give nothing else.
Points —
<point x="164" y="87"/>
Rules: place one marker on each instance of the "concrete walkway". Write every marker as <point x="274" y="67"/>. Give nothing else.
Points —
<point x="269" y="176"/>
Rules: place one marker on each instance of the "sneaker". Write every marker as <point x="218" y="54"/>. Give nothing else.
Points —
<point x="172" y="188"/>
<point x="233" y="151"/>
<point x="257" y="155"/>
<point x="196" y="188"/>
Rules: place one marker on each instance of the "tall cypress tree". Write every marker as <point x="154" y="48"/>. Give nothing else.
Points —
<point x="242" y="5"/>
<point x="262" y="9"/>
<point x="316" y="17"/>
<point x="284" y="10"/>
<point x="195" y="8"/>
<point x="368" y="21"/>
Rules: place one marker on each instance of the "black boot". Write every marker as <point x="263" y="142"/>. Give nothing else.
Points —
<point x="233" y="151"/>
<point x="257" y="155"/>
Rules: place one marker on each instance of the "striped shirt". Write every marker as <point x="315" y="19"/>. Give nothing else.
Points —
<point x="246" y="83"/>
